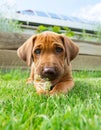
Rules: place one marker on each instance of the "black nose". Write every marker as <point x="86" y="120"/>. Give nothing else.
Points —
<point x="49" y="72"/>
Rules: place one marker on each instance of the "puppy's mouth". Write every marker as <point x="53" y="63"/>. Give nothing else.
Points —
<point x="50" y="73"/>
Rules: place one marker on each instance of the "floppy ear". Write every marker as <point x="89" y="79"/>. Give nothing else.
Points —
<point x="70" y="47"/>
<point x="25" y="51"/>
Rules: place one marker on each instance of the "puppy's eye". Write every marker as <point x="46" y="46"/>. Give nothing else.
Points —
<point x="37" y="51"/>
<point x="59" y="49"/>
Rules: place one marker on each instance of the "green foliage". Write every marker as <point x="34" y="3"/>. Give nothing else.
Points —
<point x="98" y="33"/>
<point x="96" y="37"/>
<point x="85" y="36"/>
<point x="22" y="109"/>
<point x="93" y="37"/>
<point x="64" y="30"/>
<point x="9" y="25"/>
<point x="68" y="32"/>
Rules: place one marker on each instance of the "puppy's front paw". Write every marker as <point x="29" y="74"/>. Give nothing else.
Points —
<point x="42" y="92"/>
<point x="29" y="81"/>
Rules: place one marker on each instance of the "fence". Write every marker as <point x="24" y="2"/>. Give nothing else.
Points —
<point x="89" y="57"/>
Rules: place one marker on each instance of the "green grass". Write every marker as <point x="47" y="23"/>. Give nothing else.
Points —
<point x="22" y="109"/>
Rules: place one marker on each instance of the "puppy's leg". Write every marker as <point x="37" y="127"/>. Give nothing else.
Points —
<point x="62" y="87"/>
<point x="31" y="77"/>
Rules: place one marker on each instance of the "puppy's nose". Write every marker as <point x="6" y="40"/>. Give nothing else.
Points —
<point x="49" y="72"/>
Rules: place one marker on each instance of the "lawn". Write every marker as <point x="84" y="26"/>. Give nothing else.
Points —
<point x="22" y="109"/>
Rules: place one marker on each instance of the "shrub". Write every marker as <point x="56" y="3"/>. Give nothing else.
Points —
<point x="64" y="30"/>
<point x="7" y="25"/>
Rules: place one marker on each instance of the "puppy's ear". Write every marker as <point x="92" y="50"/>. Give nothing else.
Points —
<point x="70" y="47"/>
<point x="25" y="51"/>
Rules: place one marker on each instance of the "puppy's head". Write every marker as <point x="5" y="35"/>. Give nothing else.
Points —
<point x="50" y="52"/>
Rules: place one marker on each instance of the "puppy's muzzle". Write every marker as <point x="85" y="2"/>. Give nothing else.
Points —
<point x="49" y="72"/>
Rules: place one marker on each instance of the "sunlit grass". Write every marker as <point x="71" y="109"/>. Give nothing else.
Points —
<point x="22" y="109"/>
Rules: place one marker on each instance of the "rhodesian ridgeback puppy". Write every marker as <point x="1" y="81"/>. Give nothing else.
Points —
<point x="49" y="54"/>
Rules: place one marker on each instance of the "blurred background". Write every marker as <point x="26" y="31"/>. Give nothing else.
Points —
<point x="75" y="14"/>
<point x="78" y="19"/>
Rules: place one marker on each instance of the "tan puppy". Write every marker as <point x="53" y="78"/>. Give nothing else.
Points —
<point x="49" y="55"/>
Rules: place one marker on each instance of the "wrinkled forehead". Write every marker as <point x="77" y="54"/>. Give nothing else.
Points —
<point x="47" y="37"/>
